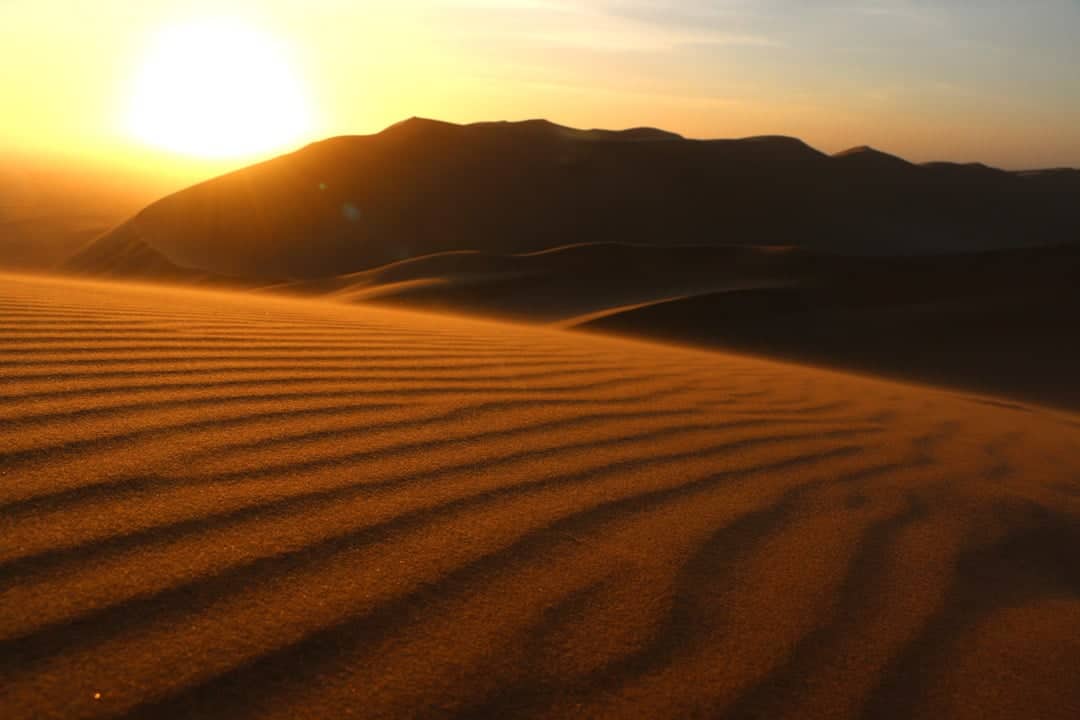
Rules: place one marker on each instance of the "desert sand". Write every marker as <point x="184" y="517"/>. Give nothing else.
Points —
<point x="224" y="505"/>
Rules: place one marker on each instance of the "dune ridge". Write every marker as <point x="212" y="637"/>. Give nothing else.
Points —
<point x="994" y="322"/>
<point x="227" y="505"/>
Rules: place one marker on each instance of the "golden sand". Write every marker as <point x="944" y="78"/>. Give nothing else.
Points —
<point x="220" y="505"/>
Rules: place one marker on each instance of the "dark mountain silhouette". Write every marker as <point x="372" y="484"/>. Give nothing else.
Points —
<point x="348" y="204"/>
<point x="867" y="159"/>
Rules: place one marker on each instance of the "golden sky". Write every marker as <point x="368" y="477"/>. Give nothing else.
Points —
<point x="990" y="81"/>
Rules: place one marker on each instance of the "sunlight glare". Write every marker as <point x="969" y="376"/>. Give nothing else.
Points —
<point x="218" y="89"/>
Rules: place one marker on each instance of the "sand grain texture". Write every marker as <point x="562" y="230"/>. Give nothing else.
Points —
<point x="219" y="505"/>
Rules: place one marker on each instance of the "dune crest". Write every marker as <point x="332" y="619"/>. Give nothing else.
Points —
<point x="221" y="505"/>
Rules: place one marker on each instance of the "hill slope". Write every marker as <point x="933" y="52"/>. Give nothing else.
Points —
<point x="420" y="187"/>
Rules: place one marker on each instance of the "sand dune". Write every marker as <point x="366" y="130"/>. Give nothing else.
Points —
<point x="221" y="505"/>
<point x="993" y="322"/>
<point x="997" y="322"/>
<point x="560" y="284"/>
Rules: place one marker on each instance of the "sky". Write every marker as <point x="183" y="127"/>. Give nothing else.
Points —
<point x="963" y="80"/>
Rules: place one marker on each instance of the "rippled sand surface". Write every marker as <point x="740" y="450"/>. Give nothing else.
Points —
<point x="223" y="506"/>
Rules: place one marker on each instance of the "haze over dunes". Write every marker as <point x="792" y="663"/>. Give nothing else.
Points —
<point x="227" y="505"/>
<point x="50" y="209"/>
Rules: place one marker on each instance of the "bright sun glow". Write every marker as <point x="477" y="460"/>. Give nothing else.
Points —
<point x="218" y="89"/>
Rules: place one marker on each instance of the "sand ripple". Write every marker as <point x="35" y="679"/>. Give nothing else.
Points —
<point x="222" y="506"/>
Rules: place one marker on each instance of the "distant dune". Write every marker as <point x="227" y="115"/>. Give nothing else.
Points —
<point x="223" y="506"/>
<point x="50" y="210"/>
<point x="560" y="284"/>
<point x="998" y="322"/>
<point x="420" y="187"/>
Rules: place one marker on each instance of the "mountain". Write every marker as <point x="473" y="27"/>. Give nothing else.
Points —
<point x="349" y="204"/>
<point x="867" y="159"/>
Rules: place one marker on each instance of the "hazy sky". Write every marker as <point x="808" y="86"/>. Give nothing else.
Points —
<point x="967" y="79"/>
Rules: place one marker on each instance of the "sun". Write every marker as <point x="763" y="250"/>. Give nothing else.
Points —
<point x="218" y="89"/>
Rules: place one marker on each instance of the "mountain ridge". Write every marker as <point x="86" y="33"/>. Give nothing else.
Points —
<point x="351" y="203"/>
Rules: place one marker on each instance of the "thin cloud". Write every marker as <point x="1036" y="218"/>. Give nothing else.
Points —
<point x="605" y="26"/>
